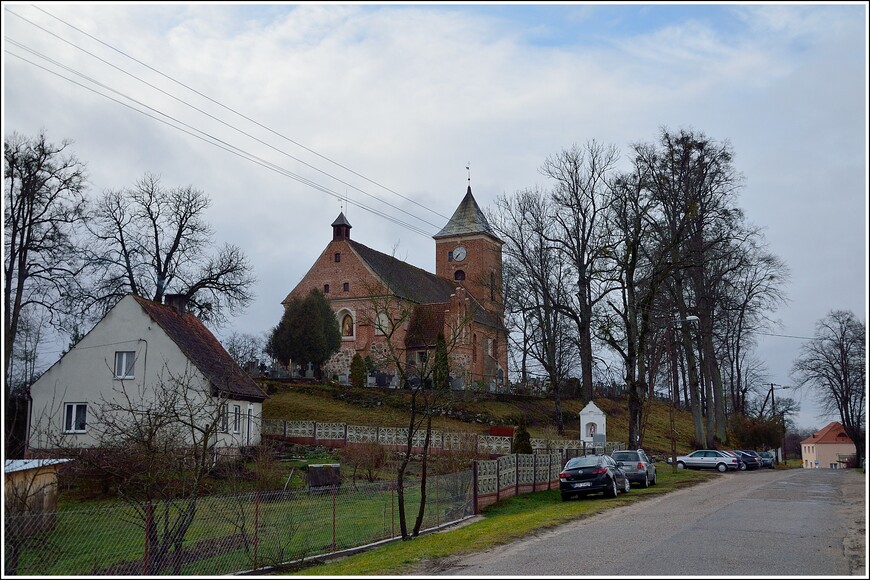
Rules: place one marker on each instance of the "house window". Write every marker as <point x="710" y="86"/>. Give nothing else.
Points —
<point x="346" y="286"/>
<point x="124" y="364"/>
<point x="492" y="286"/>
<point x="326" y="288"/>
<point x="224" y="418"/>
<point x="459" y="275"/>
<point x="450" y="256"/>
<point x="474" y="347"/>
<point x="338" y="256"/>
<point x="422" y="357"/>
<point x="75" y="417"/>
<point x="237" y="418"/>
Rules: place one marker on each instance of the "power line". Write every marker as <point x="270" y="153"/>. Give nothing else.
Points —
<point x="212" y="140"/>
<point x="240" y="115"/>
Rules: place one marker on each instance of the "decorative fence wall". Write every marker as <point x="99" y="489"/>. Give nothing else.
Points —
<point x="341" y="434"/>
<point x="510" y="475"/>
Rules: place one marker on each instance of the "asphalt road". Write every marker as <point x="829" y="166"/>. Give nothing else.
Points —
<point x="759" y="523"/>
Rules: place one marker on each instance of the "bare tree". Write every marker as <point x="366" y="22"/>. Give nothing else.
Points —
<point x="245" y="348"/>
<point x="420" y="369"/>
<point x="834" y="365"/>
<point x="148" y="240"/>
<point x="154" y="445"/>
<point x="537" y="286"/>
<point x="582" y="197"/>
<point x="44" y="203"/>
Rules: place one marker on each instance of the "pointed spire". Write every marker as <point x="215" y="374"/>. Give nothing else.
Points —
<point x="467" y="219"/>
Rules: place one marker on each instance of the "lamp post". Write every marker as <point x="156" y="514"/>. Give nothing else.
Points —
<point x="675" y="322"/>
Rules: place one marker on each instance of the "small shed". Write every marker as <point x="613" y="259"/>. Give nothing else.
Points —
<point x="31" y="484"/>
<point x="593" y="425"/>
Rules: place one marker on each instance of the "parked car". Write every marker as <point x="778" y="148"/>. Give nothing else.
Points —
<point x="592" y="474"/>
<point x="740" y="465"/>
<point x="747" y="461"/>
<point x="638" y="467"/>
<point x="708" y="459"/>
<point x="754" y="454"/>
<point x="767" y="459"/>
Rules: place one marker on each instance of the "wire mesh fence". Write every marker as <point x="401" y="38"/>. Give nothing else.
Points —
<point x="225" y="534"/>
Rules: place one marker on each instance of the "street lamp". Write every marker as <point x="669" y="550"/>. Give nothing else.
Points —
<point x="678" y="322"/>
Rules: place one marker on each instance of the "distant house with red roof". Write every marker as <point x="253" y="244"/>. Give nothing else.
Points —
<point x="828" y="448"/>
<point x="138" y="349"/>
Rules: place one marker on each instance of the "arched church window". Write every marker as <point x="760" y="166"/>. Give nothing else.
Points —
<point x="347" y="325"/>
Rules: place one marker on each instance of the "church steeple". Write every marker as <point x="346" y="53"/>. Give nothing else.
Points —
<point x="341" y="228"/>
<point x="468" y="219"/>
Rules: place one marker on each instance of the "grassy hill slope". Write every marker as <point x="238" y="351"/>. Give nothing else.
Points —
<point x="472" y="412"/>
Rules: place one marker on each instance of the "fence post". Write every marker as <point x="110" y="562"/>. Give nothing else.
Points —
<point x="534" y="470"/>
<point x="256" y="525"/>
<point x="497" y="481"/>
<point x="315" y="432"/>
<point x="474" y="485"/>
<point x="285" y="428"/>
<point x="148" y="516"/>
<point x="437" y="515"/>
<point x="517" y="476"/>
<point x="549" y="469"/>
<point x="334" y="493"/>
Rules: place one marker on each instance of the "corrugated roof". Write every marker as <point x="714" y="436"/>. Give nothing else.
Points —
<point x="831" y="433"/>
<point x="13" y="465"/>
<point x="203" y="350"/>
<point x="468" y="219"/>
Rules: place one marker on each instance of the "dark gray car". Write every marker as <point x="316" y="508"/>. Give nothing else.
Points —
<point x="638" y="467"/>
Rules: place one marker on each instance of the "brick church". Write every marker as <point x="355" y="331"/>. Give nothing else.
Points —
<point x="377" y="297"/>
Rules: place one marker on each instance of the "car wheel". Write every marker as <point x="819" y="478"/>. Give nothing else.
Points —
<point x="722" y="467"/>
<point x="613" y="491"/>
<point x="645" y="482"/>
<point x="742" y="467"/>
<point x="626" y="487"/>
<point x="681" y="465"/>
<point x="655" y="475"/>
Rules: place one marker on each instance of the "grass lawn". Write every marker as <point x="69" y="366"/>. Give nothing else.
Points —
<point x="502" y="523"/>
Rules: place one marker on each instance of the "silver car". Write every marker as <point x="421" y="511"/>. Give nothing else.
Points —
<point x="708" y="459"/>
<point x="638" y="467"/>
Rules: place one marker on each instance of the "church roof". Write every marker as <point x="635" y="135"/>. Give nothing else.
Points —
<point x="415" y="284"/>
<point x="467" y="219"/>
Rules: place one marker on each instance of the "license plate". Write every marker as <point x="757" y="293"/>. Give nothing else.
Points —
<point x="584" y="484"/>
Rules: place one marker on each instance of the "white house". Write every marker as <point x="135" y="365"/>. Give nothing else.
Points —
<point x="139" y="351"/>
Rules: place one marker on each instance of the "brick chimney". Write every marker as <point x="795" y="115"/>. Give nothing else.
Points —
<point x="178" y="302"/>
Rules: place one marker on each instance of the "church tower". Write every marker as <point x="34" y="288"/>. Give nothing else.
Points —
<point x="468" y="251"/>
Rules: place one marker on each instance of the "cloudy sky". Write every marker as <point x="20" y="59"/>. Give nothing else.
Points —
<point x="279" y="111"/>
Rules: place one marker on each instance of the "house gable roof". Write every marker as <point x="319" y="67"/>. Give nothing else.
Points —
<point x="831" y="433"/>
<point x="204" y="351"/>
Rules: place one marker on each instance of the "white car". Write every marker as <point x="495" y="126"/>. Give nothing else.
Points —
<point x="708" y="459"/>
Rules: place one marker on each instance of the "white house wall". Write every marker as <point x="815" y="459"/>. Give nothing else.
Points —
<point x="86" y="374"/>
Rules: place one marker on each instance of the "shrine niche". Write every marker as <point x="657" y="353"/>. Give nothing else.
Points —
<point x="593" y="425"/>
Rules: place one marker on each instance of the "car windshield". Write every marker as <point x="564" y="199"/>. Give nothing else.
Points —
<point x="587" y="461"/>
<point x="626" y="456"/>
